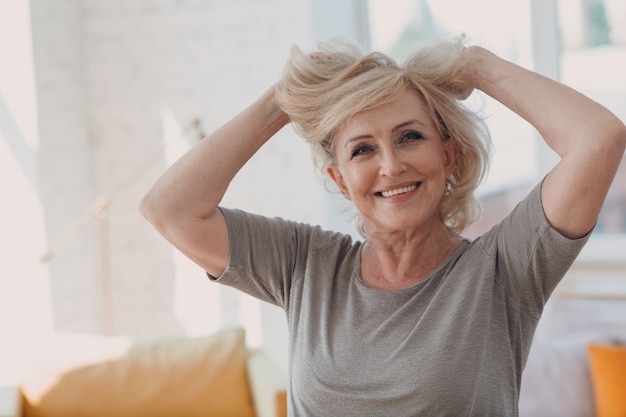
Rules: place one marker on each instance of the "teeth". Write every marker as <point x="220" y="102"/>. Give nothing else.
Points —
<point x="397" y="191"/>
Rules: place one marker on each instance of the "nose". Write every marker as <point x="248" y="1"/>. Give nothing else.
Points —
<point x="391" y="163"/>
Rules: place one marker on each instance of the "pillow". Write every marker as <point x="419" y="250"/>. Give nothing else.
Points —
<point x="608" y="375"/>
<point x="178" y="377"/>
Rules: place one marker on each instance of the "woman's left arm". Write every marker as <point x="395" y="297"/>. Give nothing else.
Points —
<point x="589" y="139"/>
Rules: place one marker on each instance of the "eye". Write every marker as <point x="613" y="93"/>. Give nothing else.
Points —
<point x="411" y="136"/>
<point x="360" y="150"/>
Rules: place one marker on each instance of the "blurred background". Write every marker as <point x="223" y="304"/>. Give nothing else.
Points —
<point x="98" y="97"/>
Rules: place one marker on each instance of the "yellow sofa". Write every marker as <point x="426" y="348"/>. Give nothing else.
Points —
<point x="92" y="376"/>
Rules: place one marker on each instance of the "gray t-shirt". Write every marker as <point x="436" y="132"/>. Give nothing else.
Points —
<point x="454" y="344"/>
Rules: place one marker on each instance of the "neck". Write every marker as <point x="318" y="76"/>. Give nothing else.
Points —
<point x="400" y="260"/>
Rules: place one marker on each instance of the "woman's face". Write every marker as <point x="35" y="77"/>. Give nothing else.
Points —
<point x="392" y="163"/>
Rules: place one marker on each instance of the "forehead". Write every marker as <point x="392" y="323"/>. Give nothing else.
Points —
<point x="383" y="118"/>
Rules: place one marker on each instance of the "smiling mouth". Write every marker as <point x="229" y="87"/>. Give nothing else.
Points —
<point x="398" y="191"/>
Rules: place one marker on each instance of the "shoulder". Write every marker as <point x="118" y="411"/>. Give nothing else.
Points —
<point x="527" y="225"/>
<point x="241" y="223"/>
<point x="526" y="218"/>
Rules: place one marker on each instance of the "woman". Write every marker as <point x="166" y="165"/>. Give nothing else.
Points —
<point x="414" y="320"/>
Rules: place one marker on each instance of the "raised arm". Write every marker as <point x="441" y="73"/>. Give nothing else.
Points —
<point x="182" y="204"/>
<point x="589" y="139"/>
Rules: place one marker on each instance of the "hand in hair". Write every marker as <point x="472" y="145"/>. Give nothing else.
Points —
<point x="448" y="65"/>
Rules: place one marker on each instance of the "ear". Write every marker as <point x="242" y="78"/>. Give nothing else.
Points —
<point x="451" y="151"/>
<point x="337" y="178"/>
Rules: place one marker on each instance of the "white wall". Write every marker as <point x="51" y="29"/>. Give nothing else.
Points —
<point x="119" y="84"/>
<point x="112" y="90"/>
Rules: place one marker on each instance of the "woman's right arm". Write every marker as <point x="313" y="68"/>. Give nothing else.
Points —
<point x="183" y="204"/>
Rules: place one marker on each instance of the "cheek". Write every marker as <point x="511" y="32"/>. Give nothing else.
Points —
<point x="439" y="163"/>
<point x="360" y="177"/>
<point x="349" y="186"/>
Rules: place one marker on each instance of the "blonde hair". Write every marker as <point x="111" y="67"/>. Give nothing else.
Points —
<point x="320" y="91"/>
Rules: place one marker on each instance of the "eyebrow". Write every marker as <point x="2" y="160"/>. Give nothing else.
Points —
<point x="393" y="130"/>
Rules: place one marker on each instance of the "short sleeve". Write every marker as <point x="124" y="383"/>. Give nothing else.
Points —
<point x="531" y="257"/>
<point x="267" y="255"/>
<point x="262" y="255"/>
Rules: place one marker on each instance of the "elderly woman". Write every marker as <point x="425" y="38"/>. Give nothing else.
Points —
<point x="414" y="319"/>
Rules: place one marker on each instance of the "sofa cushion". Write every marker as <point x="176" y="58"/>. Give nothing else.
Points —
<point x="187" y="377"/>
<point x="608" y="374"/>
